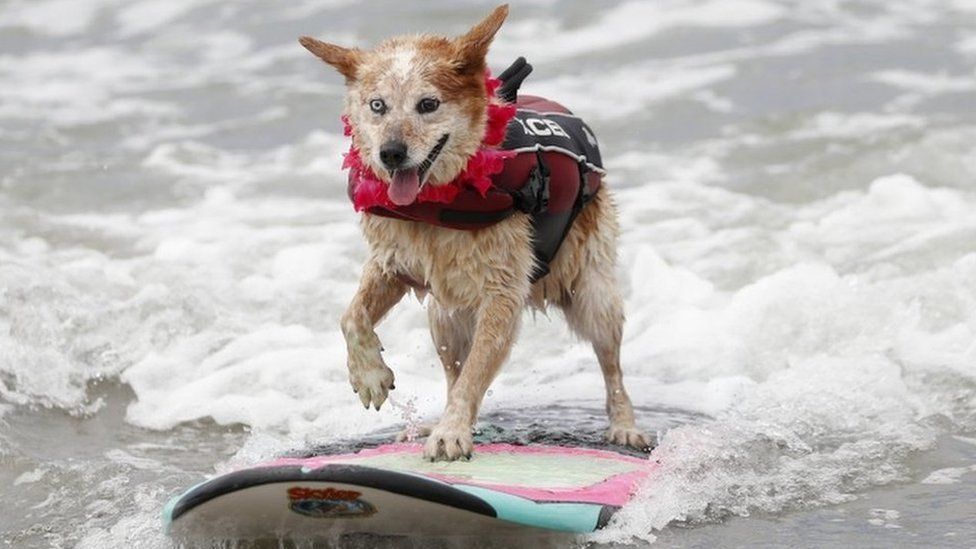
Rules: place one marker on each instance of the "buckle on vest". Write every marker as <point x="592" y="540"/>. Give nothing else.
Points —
<point x="533" y="197"/>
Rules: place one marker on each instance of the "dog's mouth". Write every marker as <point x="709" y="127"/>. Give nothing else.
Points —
<point x="406" y="183"/>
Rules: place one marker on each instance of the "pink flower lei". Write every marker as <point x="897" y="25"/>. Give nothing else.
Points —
<point x="369" y="190"/>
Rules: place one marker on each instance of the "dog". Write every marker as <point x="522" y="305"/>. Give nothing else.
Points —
<point x="416" y="111"/>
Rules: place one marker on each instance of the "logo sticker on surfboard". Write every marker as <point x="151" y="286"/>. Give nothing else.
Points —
<point x="328" y="503"/>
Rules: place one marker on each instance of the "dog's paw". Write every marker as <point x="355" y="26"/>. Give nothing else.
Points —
<point x="627" y="434"/>
<point x="414" y="432"/>
<point x="372" y="384"/>
<point x="449" y="442"/>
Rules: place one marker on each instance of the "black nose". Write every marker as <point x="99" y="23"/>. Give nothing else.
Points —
<point x="393" y="154"/>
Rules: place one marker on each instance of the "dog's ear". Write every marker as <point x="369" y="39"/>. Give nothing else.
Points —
<point x="472" y="48"/>
<point x="345" y="60"/>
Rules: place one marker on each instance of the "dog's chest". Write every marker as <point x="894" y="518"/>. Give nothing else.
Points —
<point x="457" y="267"/>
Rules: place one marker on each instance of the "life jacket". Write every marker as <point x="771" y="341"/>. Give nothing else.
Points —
<point x="554" y="172"/>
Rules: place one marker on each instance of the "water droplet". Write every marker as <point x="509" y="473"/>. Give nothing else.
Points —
<point x="490" y="392"/>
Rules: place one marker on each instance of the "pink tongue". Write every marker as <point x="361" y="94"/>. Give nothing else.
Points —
<point x="404" y="188"/>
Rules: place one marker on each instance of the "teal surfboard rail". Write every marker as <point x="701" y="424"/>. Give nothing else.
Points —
<point x="579" y="518"/>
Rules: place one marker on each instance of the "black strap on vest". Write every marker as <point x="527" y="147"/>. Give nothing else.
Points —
<point x="533" y="197"/>
<point x="549" y="230"/>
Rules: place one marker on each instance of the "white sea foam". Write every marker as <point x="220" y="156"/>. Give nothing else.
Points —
<point x="967" y="45"/>
<point x="627" y="91"/>
<point x="964" y="5"/>
<point x="29" y="477"/>
<point x="884" y="517"/>
<point x="926" y="83"/>
<point x="52" y="17"/>
<point x="949" y="475"/>
<point x="627" y="23"/>
<point x="832" y="125"/>
<point x="146" y="15"/>
<point x="77" y="87"/>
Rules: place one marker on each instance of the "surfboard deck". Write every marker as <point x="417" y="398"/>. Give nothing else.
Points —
<point x="392" y="490"/>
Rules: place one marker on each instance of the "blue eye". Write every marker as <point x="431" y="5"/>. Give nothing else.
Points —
<point x="378" y="106"/>
<point x="428" y="104"/>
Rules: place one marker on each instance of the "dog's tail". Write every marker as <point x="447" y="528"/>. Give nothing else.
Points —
<point x="512" y="79"/>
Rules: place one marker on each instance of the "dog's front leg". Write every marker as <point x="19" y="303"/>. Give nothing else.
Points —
<point x="494" y="334"/>
<point x="368" y="374"/>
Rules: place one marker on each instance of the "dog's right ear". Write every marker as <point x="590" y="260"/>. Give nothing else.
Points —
<point x="471" y="49"/>
<point x="345" y="60"/>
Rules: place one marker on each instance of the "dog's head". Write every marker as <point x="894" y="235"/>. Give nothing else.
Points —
<point x="416" y="103"/>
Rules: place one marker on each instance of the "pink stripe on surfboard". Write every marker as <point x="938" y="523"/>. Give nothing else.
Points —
<point x="614" y="490"/>
<point x="495" y="448"/>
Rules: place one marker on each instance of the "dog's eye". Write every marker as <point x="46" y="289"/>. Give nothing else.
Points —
<point x="428" y="104"/>
<point x="378" y="106"/>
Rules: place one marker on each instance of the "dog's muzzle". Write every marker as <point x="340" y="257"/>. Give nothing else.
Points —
<point x="431" y="157"/>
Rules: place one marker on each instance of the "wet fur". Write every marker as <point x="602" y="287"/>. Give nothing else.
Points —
<point x="478" y="281"/>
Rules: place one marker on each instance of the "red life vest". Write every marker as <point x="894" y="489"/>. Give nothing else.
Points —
<point x="555" y="170"/>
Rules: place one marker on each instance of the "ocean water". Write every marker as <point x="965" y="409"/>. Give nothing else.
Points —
<point x="797" y="184"/>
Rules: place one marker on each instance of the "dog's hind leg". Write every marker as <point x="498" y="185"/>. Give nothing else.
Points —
<point x="369" y="376"/>
<point x="451" y="331"/>
<point x="595" y="313"/>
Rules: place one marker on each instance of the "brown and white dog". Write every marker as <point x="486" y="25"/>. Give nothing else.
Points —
<point x="410" y="91"/>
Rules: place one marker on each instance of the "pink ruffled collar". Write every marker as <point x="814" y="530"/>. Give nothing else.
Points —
<point x="370" y="191"/>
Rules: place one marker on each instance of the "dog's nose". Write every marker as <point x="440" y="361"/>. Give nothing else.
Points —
<point x="393" y="154"/>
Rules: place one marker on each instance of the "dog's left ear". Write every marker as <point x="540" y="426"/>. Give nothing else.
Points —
<point x="345" y="60"/>
<point x="472" y="48"/>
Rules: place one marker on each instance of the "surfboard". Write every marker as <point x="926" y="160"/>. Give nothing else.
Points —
<point x="392" y="490"/>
